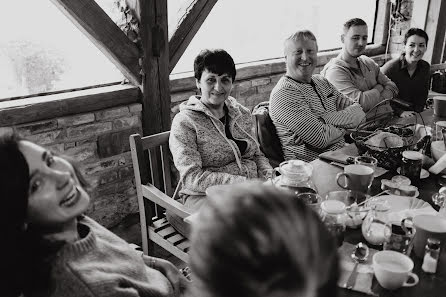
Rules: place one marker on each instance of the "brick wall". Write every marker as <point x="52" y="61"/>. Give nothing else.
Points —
<point x="98" y="142"/>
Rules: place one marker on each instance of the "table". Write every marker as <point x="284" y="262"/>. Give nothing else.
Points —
<point x="324" y="179"/>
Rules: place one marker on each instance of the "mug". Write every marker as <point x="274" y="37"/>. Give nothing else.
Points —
<point x="366" y="161"/>
<point x="400" y="236"/>
<point x="393" y="270"/>
<point x="439" y="126"/>
<point x="428" y="226"/>
<point x="440" y="106"/>
<point x="356" y="177"/>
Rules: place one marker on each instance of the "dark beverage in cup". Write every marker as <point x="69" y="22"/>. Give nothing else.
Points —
<point x="411" y="165"/>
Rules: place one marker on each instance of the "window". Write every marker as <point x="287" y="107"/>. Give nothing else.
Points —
<point x="42" y="51"/>
<point x="253" y="30"/>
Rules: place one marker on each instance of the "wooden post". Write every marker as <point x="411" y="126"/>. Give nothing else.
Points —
<point x="155" y="66"/>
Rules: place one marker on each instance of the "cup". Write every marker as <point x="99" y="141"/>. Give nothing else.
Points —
<point x="356" y="177"/>
<point x="440" y="106"/>
<point x="400" y="237"/>
<point x="393" y="270"/>
<point x="428" y="226"/>
<point x="439" y="126"/>
<point x="311" y="199"/>
<point x="411" y="164"/>
<point x="366" y="161"/>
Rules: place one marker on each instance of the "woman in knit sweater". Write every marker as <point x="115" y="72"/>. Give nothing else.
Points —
<point x="54" y="250"/>
<point x="211" y="137"/>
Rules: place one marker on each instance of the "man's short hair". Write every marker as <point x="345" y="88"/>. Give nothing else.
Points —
<point x="300" y="35"/>
<point x="352" y="23"/>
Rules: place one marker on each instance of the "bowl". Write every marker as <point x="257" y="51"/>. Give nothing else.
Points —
<point x="437" y="149"/>
<point x="354" y="215"/>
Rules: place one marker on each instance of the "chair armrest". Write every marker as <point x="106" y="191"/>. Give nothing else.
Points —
<point x="150" y="192"/>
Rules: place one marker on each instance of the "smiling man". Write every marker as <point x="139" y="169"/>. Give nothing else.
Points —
<point x="307" y="107"/>
<point x="358" y="76"/>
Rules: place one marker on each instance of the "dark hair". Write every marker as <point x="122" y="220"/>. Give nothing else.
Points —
<point x="353" y="22"/>
<point x="416" y="31"/>
<point x="14" y="184"/>
<point x="255" y="240"/>
<point x="28" y="260"/>
<point x="217" y="61"/>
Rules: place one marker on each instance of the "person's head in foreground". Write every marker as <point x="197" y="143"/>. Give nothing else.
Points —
<point x="415" y="45"/>
<point x="42" y="197"/>
<point x="254" y="240"/>
<point x="354" y="37"/>
<point x="300" y="50"/>
<point x="214" y="74"/>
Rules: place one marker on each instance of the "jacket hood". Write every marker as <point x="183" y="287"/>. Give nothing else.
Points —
<point x="194" y="103"/>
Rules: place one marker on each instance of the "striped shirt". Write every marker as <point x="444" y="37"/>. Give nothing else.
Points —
<point x="309" y="111"/>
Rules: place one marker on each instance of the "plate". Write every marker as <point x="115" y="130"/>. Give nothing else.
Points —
<point x="423" y="174"/>
<point x="417" y="193"/>
<point x="401" y="207"/>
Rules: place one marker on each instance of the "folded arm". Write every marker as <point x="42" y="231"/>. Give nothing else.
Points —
<point x="290" y="108"/>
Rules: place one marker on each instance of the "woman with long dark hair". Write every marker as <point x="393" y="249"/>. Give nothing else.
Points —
<point x="51" y="248"/>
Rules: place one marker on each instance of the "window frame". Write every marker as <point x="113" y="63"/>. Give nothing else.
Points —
<point x="67" y="100"/>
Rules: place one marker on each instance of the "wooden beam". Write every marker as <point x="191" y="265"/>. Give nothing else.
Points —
<point x="89" y="17"/>
<point x="155" y="66"/>
<point x="187" y="30"/>
<point x="35" y="109"/>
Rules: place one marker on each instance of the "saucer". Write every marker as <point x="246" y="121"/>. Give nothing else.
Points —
<point x="423" y="174"/>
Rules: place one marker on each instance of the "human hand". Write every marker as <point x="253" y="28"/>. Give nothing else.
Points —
<point x="298" y="140"/>
<point x="343" y="102"/>
<point x="379" y="87"/>
<point x="407" y="113"/>
<point x="175" y="277"/>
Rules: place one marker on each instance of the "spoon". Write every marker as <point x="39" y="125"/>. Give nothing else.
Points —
<point x="360" y="254"/>
<point x="368" y="199"/>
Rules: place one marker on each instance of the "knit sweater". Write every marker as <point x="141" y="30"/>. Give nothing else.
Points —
<point x="412" y="89"/>
<point x="102" y="264"/>
<point x="309" y="111"/>
<point x="359" y="83"/>
<point x="202" y="153"/>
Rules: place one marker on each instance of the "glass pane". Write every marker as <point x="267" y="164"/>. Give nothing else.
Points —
<point x="42" y="51"/>
<point x="253" y="30"/>
<point x="176" y="12"/>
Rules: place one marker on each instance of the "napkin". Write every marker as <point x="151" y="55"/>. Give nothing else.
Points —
<point x="410" y="213"/>
<point x="364" y="279"/>
<point x="439" y="165"/>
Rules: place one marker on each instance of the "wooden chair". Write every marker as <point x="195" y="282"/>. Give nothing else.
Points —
<point x="152" y="152"/>
<point x="267" y="135"/>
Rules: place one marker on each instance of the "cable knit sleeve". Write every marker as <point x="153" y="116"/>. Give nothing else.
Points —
<point x="288" y="106"/>
<point x="188" y="161"/>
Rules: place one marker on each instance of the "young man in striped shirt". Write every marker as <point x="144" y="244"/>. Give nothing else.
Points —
<point x="309" y="113"/>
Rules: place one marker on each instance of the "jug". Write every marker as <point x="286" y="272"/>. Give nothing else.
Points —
<point x="295" y="176"/>
<point x="376" y="227"/>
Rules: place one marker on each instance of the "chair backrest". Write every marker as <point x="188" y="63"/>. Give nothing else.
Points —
<point x="267" y="135"/>
<point x="151" y="165"/>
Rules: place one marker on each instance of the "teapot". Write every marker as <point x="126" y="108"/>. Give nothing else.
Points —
<point x="295" y="175"/>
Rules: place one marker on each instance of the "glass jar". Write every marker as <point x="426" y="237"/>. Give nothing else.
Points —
<point x="376" y="228"/>
<point x="333" y="215"/>
<point x="295" y="176"/>
<point x="431" y="255"/>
